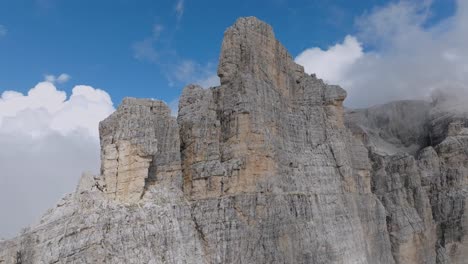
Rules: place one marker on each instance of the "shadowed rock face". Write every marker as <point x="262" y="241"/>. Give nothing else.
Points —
<point x="261" y="169"/>
<point x="419" y="154"/>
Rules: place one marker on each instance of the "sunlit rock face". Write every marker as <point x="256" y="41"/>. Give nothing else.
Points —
<point x="265" y="168"/>
<point x="139" y="148"/>
<point x="268" y="153"/>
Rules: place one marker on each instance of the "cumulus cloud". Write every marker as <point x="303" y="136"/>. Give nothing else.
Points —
<point x="62" y="78"/>
<point x="47" y="141"/>
<point x="332" y="64"/>
<point x="408" y="59"/>
<point x="3" y="31"/>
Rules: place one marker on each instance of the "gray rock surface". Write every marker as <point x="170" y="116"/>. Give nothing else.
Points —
<point x="262" y="169"/>
<point x="139" y="148"/>
<point x="419" y="153"/>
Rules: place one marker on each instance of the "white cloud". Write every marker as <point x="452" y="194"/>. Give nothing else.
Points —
<point x="409" y="60"/>
<point x="83" y="110"/>
<point x="179" y="9"/>
<point x="49" y="78"/>
<point x="62" y="78"/>
<point x="47" y="141"/>
<point x="393" y="21"/>
<point x="3" y="31"/>
<point x="332" y="64"/>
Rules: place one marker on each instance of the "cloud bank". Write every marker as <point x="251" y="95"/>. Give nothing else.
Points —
<point x="47" y="141"/>
<point x="333" y="64"/>
<point x="409" y="57"/>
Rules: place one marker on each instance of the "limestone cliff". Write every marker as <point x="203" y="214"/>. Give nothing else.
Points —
<point x="419" y="153"/>
<point x="265" y="168"/>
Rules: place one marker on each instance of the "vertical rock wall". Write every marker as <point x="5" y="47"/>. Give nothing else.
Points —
<point x="419" y="155"/>
<point x="268" y="153"/>
<point x="139" y="147"/>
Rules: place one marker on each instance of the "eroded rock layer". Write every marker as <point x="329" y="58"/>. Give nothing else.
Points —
<point x="263" y="169"/>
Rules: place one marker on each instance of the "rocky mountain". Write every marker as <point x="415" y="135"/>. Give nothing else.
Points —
<point x="268" y="167"/>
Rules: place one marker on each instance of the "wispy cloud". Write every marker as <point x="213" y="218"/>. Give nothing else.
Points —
<point x="179" y="9"/>
<point x="178" y="70"/>
<point x="145" y="50"/>
<point x="187" y="71"/>
<point x="157" y="30"/>
<point x="3" y="31"/>
<point x="157" y="49"/>
<point x="210" y="80"/>
<point x="62" y="78"/>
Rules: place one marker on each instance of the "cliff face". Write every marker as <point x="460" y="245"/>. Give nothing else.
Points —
<point x="419" y="155"/>
<point x="263" y="169"/>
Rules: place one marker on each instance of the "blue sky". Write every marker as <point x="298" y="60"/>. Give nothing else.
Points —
<point x="94" y="41"/>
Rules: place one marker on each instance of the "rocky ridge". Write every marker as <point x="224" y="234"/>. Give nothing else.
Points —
<point x="268" y="167"/>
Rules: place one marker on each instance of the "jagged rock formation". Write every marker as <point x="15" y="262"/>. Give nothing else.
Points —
<point x="139" y="147"/>
<point x="424" y="190"/>
<point x="264" y="169"/>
